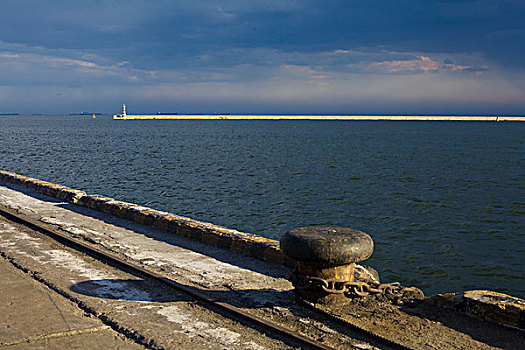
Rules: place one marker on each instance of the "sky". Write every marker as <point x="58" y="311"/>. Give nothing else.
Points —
<point x="268" y="56"/>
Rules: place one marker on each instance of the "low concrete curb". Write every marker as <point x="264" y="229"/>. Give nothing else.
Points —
<point x="486" y="305"/>
<point x="218" y="236"/>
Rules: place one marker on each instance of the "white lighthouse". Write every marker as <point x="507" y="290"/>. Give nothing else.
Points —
<point x="121" y="116"/>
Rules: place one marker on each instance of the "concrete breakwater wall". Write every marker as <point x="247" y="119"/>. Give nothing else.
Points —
<point x="222" y="237"/>
<point x="322" y="117"/>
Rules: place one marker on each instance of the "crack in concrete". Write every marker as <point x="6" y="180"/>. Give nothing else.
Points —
<point x="110" y="324"/>
<point x="56" y="335"/>
<point x="59" y="311"/>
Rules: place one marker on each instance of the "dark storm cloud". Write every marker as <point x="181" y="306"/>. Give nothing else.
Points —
<point x="185" y="28"/>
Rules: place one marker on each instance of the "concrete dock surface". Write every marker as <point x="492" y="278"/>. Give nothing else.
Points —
<point x="144" y="311"/>
<point x="34" y="316"/>
<point x="55" y="296"/>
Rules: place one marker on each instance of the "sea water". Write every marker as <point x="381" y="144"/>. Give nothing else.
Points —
<point x="443" y="201"/>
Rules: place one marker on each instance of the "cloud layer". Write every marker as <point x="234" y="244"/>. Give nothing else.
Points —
<point x="263" y="56"/>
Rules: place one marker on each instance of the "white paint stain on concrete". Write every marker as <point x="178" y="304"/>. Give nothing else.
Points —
<point x="106" y="284"/>
<point x="204" y="270"/>
<point x="66" y="260"/>
<point x="192" y="326"/>
<point x="72" y="228"/>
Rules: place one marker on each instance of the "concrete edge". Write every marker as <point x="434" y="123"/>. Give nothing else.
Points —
<point x="486" y="305"/>
<point x="245" y="243"/>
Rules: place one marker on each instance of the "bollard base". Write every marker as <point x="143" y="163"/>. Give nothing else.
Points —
<point x="317" y="284"/>
<point x="341" y="273"/>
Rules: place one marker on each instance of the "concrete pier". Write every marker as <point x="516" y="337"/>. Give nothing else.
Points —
<point x="117" y="308"/>
<point x="322" y="117"/>
<point x="145" y="313"/>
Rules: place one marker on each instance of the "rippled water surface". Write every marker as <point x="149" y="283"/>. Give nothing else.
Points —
<point x="443" y="201"/>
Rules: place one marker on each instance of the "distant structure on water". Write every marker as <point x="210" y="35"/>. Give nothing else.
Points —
<point x="159" y="115"/>
<point x="85" y="113"/>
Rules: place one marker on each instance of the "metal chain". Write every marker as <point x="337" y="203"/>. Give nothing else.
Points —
<point x="353" y="289"/>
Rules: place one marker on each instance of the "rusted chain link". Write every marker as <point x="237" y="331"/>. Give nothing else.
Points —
<point x="354" y="289"/>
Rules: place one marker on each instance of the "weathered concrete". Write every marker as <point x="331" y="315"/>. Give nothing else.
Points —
<point x="32" y="316"/>
<point x="156" y="317"/>
<point x="222" y="237"/>
<point x="486" y="305"/>
<point x="168" y="253"/>
<point x="146" y="311"/>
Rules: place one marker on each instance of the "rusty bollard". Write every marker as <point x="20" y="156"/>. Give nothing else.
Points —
<point x="324" y="257"/>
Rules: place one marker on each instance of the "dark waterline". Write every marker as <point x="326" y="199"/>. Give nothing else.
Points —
<point x="442" y="200"/>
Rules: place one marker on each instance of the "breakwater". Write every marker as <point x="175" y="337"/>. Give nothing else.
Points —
<point x="320" y="117"/>
<point x="246" y="243"/>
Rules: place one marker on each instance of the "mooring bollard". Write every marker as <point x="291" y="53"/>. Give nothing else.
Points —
<point x="324" y="258"/>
